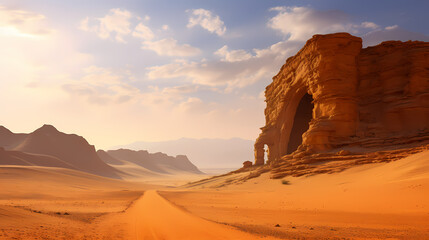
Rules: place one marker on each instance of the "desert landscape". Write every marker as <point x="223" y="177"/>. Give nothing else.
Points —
<point x="372" y="201"/>
<point x="145" y="123"/>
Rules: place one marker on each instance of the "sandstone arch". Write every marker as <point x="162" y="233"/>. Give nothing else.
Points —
<point x="361" y="96"/>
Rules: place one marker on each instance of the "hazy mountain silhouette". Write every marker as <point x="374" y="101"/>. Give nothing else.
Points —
<point x="71" y="149"/>
<point x="155" y="162"/>
<point x="28" y="159"/>
<point x="9" y="139"/>
<point x="204" y="153"/>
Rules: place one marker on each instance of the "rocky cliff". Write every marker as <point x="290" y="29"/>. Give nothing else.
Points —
<point x="334" y="98"/>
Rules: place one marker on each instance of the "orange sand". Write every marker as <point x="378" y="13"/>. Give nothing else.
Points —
<point x="378" y="201"/>
<point x="388" y="200"/>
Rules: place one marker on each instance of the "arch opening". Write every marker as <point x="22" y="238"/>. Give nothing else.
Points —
<point x="301" y="122"/>
<point x="265" y="153"/>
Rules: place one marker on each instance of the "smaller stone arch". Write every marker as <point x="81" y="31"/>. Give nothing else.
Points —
<point x="265" y="139"/>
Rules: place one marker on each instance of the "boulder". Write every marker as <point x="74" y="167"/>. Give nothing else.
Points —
<point x="247" y="164"/>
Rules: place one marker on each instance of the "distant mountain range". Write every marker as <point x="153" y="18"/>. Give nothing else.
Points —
<point x="49" y="147"/>
<point x="204" y="153"/>
<point x="155" y="162"/>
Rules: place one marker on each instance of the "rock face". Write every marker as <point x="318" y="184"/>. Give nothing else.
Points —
<point x="333" y="95"/>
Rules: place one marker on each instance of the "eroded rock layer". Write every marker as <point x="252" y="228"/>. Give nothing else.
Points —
<point x="363" y="100"/>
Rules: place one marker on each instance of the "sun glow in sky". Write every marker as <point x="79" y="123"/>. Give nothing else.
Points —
<point x="117" y="72"/>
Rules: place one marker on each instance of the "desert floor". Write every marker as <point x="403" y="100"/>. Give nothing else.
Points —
<point x="377" y="201"/>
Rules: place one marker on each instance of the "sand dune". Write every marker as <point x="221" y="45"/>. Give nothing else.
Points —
<point x="27" y="182"/>
<point x="379" y="201"/>
<point x="56" y="203"/>
<point x="374" y="201"/>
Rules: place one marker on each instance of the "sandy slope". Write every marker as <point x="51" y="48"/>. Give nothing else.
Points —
<point x="52" y="190"/>
<point x="379" y="201"/>
<point x="389" y="200"/>
<point x="56" y="203"/>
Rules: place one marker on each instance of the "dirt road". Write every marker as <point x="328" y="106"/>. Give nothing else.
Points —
<point x="153" y="217"/>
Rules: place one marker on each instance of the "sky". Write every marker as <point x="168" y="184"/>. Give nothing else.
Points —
<point x="117" y="72"/>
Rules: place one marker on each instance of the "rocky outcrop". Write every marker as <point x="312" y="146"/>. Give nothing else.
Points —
<point x="335" y="98"/>
<point x="247" y="164"/>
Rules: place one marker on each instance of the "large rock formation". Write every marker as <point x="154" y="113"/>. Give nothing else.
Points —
<point x="334" y="97"/>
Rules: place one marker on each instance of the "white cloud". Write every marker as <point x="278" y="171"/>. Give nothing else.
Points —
<point x="370" y="25"/>
<point x="193" y="105"/>
<point x="232" y="56"/>
<point x="236" y="74"/>
<point x="300" y="23"/>
<point x="391" y="27"/>
<point x="165" y="27"/>
<point x="101" y="86"/>
<point x="142" y="31"/>
<point x="169" y="47"/>
<point x="279" y="8"/>
<point x="21" y="23"/>
<point x="116" y="22"/>
<point x="181" y="89"/>
<point x="207" y="20"/>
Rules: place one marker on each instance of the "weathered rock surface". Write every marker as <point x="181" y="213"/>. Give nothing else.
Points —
<point x="335" y="98"/>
